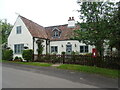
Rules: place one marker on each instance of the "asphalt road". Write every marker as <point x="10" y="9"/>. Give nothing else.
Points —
<point x="24" y="76"/>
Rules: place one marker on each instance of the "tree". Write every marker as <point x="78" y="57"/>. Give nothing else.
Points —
<point x="95" y="17"/>
<point x="114" y="29"/>
<point x="6" y="29"/>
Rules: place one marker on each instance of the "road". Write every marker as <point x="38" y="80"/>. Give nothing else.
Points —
<point x="24" y="76"/>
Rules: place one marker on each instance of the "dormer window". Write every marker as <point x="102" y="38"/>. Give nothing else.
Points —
<point x="18" y="29"/>
<point x="56" y="33"/>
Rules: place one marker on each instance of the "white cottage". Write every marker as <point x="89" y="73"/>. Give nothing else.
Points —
<point x="25" y="33"/>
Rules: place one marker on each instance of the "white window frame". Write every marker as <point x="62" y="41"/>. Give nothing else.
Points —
<point x="18" y="48"/>
<point x="84" y="49"/>
<point x="18" y="30"/>
<point x="56" y="33"/>
<point x="53" y="49"/>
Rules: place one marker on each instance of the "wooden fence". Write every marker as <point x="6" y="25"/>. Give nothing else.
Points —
<point x="104" y="62"/>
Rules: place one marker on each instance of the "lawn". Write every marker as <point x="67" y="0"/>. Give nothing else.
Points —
<point x="30" y="63"/>
<point x="80" y="68"/>
<point x="90" y="69"/>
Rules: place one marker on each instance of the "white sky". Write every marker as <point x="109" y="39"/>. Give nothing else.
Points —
<point x="43" y="12"/>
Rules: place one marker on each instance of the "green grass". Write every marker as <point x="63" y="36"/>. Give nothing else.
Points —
<point x="90" y="69"/>
<point x="35" y="64"/>
<point x="30" y="63"/>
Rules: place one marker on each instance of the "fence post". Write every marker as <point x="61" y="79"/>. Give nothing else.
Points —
<point x="63" y="58"/>
<point x="63" y="54"/>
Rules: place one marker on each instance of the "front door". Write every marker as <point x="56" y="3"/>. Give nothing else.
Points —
<point x="68" y="49"/>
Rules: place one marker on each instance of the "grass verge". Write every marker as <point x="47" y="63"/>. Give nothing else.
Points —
<point x="90" y="69"/>
<point x="30" y="63"/>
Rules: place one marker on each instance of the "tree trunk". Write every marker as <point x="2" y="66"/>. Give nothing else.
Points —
<point x="100" y="49"/>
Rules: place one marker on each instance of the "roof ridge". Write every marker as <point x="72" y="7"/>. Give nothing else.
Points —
<point x="56" y="25"/>
<point x="35" y="29"/>
<point x="30" y="20"/>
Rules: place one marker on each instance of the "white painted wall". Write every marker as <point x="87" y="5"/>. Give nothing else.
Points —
<point x="36" y="47"/>
<point x="64" y="43"/>
<point x="24" y="38"/>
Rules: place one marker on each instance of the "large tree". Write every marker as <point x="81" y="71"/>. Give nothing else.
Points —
<point x="95" y="17"/>
<point x="5" y="30"/>
<point x="114" y="28"/>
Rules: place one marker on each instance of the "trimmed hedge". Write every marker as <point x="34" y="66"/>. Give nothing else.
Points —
<point x="27" y="55"/>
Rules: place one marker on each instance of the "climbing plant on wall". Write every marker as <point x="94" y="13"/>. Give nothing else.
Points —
<point x="40" y="47"/>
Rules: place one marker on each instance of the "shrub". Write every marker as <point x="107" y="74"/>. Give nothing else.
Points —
<point x="73" y="53"/>
<point x="77" y="53"/>
<point x="63" y="53"/>
<point x="88" y="54"/>
<point x="73" y="57"/>
<point x="47" y="58"/>
<point x="18" y="59"/>
<point x="7" y="54"/>
<point x="28" y="55"/>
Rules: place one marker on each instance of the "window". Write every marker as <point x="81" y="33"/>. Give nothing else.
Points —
<point x="55" y="34"/>
<point x="83" y="49"/>
<point x="18" y="48"/>
<point x="54" y="49"/>
<point x="18" y="29"/>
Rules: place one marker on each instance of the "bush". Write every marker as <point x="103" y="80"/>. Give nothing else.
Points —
<point x="47" y="58"/>
<point x="73" y="53"/>
<point x="77" y="53"/>
<point x="73" y="57"/>
<point x="88" y="54"/>
<point x="7" y="55"/>
<point x="63" y="53"/>
<point x="28" y="55"/>
<point x="18" y="59"/>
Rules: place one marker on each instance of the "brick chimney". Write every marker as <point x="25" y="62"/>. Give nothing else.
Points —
<point x="71" y="22"/>
<point x="72" y="18"/>
<point x="69" y="19"/>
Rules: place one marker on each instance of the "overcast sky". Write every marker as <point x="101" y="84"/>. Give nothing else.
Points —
<point x="43" y="12"/>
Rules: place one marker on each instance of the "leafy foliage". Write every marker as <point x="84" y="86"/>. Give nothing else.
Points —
<point x="7" y="54"/>
<point x="40" y="47"/>
<point x="96" y="17"/>
<point x="114" y="29"/>
<point x="18" y="59"/>
<point x="63" y="53"/>
<point x="28" y="54"/>
<point x="6" y="29"/>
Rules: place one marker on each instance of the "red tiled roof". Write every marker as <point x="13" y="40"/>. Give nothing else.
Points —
<point x="35" y="29"/>
<point x="66" y="32"/>
<point x="46" y="32"/>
